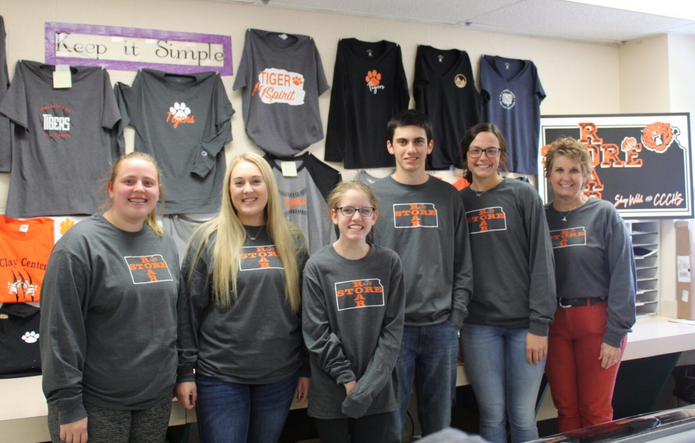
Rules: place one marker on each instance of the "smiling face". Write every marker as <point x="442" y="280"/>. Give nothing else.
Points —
<point x="567" y="178"/>
<point x="410" y="147"/>
<point x="134" y="191"/>
<point x="483" y="167"/>
<point x="248" y="193"/>
<point x="356" y="227"/>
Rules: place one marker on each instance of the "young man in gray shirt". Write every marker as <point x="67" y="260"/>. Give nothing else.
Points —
<point x="423" y="220"/>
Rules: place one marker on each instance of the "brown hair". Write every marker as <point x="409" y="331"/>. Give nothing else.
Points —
<point x="341" y="188"/>
<point x="468" y="138"/>
<point x="568" y="147"/>
<point x="151" y="218"/>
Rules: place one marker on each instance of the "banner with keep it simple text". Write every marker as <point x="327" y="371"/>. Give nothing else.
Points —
<point x="129" y="49"/>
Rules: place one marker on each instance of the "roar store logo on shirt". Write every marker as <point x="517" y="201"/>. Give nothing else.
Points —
<point x="563" y="238"/>
<point x="180" y="113"/>
<point x="280" y="86"/>
<point x="254" y="258"/>
<point x="365" y="293"/>
<point x="148" y="269"/>
<point x="415" y="215"/>
<point x="55" y="121"/>
<point x="486" y="220"/>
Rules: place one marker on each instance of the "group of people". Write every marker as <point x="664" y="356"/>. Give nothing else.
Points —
<point x="250" y="322"/>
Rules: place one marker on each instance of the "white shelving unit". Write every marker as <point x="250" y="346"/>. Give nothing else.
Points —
<point x="645" y="242"/>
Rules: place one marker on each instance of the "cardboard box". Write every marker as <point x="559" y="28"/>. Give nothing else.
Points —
<point x="685" y="258"/>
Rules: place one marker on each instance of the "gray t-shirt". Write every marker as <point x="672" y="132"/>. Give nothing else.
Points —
<point x="108" y="319"/>
<point x="183" y="121"/>
<point x="180" y="228"/>
<point x="5" y="128"/>
<point x="62" y="148"/>
<point x="426" y="225"/>
<point x="282" y="77"/>
<point x="353" y="324"/>
<point x="513" y="258"/>
<point x="594" y="258"/>
<point x="259" y="339"/>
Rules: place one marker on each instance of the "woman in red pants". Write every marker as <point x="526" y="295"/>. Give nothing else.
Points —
<point x="596" y="280"/>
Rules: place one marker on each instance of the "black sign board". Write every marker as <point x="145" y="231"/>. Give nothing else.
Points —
<point x="642" y="163"/>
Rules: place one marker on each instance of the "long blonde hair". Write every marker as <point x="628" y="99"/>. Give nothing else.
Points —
<point x="151" y="218"/>
<point x="231" y="235"/>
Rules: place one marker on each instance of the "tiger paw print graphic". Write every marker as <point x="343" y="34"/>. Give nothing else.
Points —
<point x="180" y="110"/>
<point x="30" y="337"/>
<point x="373" y="78"/>
<point x="297" y="80"/>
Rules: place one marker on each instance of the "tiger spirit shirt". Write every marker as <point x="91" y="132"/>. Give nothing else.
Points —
<point x="25" y="246"/>
<point x="282" y="77"/>
<point x="183" y="121"/>
<point x="62" y="148"/>
<point x="512" y="94"/>
<point x="369" y="87"/>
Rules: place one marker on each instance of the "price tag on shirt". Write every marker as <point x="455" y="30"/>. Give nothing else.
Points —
<point x="62" y="77"/>
<point x="289" y="169"/>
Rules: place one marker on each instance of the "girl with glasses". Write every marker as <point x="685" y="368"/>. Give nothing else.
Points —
<point x="504" y="338"/>
<point x="353" y="305"/>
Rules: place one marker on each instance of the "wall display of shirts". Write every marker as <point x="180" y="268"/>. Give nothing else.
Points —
<point x="444" y="89"/>
<point x="282" y="77"/>
<point x="5" y="128"/>
<point x="183" y="121"/>
<point x="512" y="94"/>
<point x="304" y="196"/>
<point x="61" y="146"/>
<point x="180" y="228"/>
<point x="369" y="87"/>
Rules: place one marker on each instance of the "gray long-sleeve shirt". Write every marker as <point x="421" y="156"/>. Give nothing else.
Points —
<point x="512" y="258"/>
<point x="108" y="319"/>
<point x="426" y="225"/>
<point x="353" y="324"/>
<point x="259" y="339"/>
<point x="594" y="258"/>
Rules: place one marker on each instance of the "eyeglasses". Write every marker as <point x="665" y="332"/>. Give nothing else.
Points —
<point x="349" y="211"/>
<point x="490" y="152"/>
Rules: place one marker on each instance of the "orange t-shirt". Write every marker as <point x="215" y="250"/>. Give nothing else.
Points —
<point x="25" y="246"/>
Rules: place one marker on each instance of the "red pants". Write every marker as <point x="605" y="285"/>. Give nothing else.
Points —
<point x="582" y="390"/>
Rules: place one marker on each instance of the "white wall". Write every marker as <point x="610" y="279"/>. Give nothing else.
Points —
<point x="577" y="77"/>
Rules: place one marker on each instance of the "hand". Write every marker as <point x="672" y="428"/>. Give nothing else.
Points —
<point x="187" y="393"/>
<point x="303" y="388"/>
<point x="536" y="348"/>
<point x="349" y="386"/>
<point x="75" y="432"/>
<point x="609" y="355"/>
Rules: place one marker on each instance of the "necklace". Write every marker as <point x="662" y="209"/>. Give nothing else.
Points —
<point x="565" y="215"/>
<point x="257" y="233"/>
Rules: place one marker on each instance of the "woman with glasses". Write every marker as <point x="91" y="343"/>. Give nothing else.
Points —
<point x="596" y="282"/>
<point x="504" y="338"/>
<point x="353" y="304"/>
<point x="241" y="325"/>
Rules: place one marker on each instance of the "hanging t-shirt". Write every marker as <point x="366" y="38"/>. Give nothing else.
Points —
<point x="20" y="355"/>
<point x="184" y="121"/>
<point x="5" y="130"/>
<point x="444" y="90"/>
<point x="512" y="94"/>
<point x="25" y="246"/>
<point x="61" y="148"/>
<point x="180" y="228"/>
<point x="369" y="87"/>
<point x="282" y="77"/>
<point x="304" y="196"/>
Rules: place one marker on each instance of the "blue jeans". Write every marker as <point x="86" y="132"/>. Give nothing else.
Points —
<point x="428" y="355"/>
<point x="241" y="413"/>
<point x="505" y="384"/>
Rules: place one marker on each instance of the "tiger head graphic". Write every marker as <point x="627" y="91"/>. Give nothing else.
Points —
<point x="657" y="137"/>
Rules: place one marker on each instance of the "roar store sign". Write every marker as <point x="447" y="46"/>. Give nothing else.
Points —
<point x="642" y="163"/>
